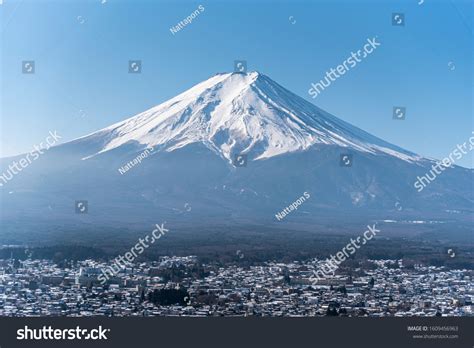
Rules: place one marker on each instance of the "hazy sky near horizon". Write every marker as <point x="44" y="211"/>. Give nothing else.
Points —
<point x="81" y="51"/>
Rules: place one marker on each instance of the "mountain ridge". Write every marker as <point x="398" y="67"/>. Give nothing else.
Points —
<point x="292" y="147"/>
<point x="234" y="113"/>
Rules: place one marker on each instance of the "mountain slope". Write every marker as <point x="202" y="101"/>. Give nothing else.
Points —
<point x="292" y="147"/>
<point x="241" y="113"/>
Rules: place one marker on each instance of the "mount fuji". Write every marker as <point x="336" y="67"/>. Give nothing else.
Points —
<point x="290" y="146"/>
<point x="240" y="113"/>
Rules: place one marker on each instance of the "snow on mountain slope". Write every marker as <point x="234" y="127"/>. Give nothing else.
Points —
<point x="196" y="134"/>
<point x="235" y="113"/>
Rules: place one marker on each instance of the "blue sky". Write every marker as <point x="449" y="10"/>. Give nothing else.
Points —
<point x="81" y="51"/>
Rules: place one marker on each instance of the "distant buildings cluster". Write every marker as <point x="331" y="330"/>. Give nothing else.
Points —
<point x="41" y="288"/>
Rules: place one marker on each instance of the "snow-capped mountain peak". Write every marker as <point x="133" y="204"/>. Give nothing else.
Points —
<point x="230" y="114"/>
<point x="233" y="113"/>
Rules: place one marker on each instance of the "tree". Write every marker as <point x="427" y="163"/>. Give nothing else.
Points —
<point x="332" y="311"/>
<point x="167" y="297"/>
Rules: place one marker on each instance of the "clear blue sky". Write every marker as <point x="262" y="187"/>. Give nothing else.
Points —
<point x="81" y="50"/>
